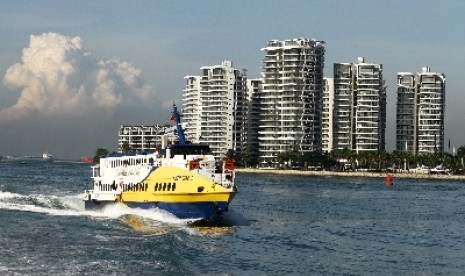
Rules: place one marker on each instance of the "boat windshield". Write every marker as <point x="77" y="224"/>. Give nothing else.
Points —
<point x="190" y="149"/>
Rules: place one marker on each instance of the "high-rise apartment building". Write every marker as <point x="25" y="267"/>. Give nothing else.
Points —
<point x="290" y="98"/>
<point x="191" y="108"/>
<point x="420" y="112"/>
<point x="327" y="115"/>
<point x="143" y="138"/>
<point x="354" y="109"/>
<point x="254" y="87"/>
<point x="214" y="108"/>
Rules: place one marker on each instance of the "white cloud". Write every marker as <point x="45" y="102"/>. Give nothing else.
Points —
<point x="58" y="77"/>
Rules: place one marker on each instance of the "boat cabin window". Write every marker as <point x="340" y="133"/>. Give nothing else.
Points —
<point x="164" y="186"/>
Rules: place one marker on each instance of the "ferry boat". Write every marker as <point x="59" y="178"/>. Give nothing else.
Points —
<point x="183" y="179"/>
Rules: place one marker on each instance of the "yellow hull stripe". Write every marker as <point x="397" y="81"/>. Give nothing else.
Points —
<point x="171" y="184"/>
<point x="175" y="198"/>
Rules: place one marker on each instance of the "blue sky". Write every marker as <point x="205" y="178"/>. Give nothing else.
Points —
<point x="164" y="41"/>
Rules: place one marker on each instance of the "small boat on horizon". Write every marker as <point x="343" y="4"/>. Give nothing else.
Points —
<point x="46" y="157"/>
<point x="87" y="160"/>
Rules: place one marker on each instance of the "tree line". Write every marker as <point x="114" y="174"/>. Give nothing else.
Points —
<point x="341" y="159"/>
<point x="380" y="160"/>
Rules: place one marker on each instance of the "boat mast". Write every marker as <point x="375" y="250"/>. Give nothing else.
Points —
<point x="177" y="117"/>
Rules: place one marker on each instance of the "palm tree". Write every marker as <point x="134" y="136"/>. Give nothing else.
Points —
<point x="383" y="159"/>
<point x="451" y="162"/>
<point x="461" y="154"/>
<point x="289" y="156"/>
<point x="422" y="159"/>
<point x="373" y="160"/>
<point x="362" y="158"/>
<point x="99" y="152"/>
<point x="406" y="157"/>
<point x="346" y="154"/>
<point x="429" y="159"/>
<point x="396" y="158"/>
<point x="315" y="158"/>
<point x="230" y="154"/>
<point x="334" y="157"/>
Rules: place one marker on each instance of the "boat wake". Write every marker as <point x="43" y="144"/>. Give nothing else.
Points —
<point x="153" y="222"/>
<point x="35" y="203"/>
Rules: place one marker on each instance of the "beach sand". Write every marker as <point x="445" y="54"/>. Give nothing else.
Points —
<point x="353" y="174"/>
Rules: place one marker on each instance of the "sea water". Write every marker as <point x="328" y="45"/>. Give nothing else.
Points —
<point x="277" y="225"/>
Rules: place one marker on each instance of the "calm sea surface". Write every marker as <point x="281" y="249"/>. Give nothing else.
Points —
<point x="277" y="225"/>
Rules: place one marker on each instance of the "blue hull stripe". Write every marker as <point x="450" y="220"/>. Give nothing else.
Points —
<point x="202" y="210"/>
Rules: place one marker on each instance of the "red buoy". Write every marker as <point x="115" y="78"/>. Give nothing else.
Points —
<point x="389" y="181"/>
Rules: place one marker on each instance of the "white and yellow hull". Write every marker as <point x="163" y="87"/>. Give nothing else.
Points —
<point x="182" y="192"/>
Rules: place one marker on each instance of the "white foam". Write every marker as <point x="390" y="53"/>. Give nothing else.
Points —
<point x="38" y="209"/>
<point x="8" y="195"/>
<point x="74" y="206"/>
<point x="118" y="210"/>
<point x="73" y="201"/>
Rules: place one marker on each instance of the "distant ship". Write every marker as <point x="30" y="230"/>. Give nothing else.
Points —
<point x="87" y="160"/>
<point x="46" y="157"/>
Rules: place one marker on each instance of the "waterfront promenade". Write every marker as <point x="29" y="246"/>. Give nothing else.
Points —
<point x="353" y="174"/>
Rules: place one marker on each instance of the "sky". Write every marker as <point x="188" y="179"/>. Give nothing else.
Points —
<point x="73" y="72"/>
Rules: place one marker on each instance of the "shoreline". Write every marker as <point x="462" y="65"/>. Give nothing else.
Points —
<point x="353" y="174"/>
